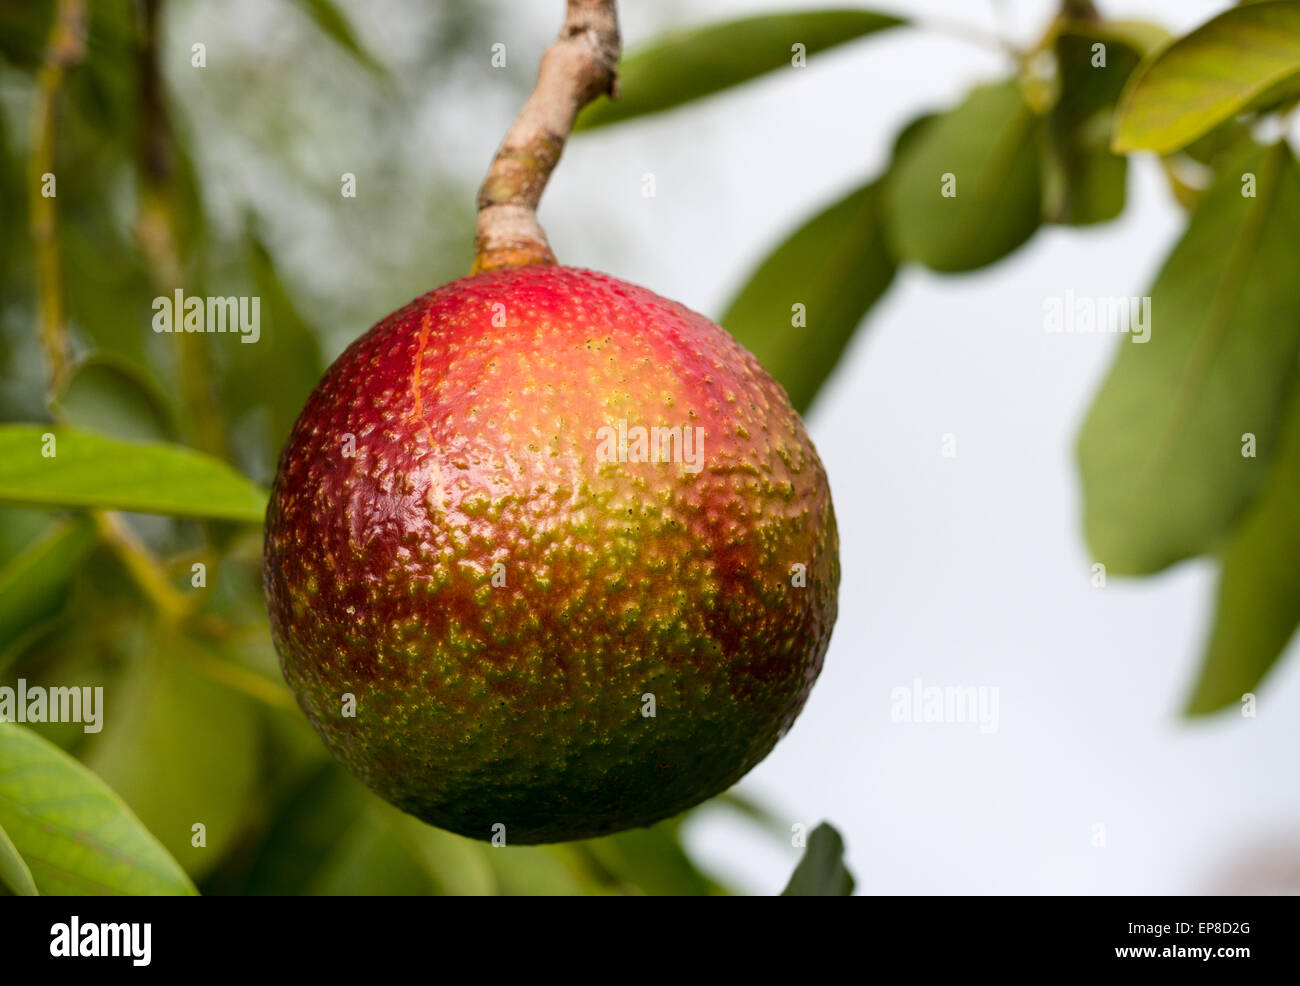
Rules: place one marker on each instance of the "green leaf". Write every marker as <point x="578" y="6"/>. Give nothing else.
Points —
<point x="821" y="872"/>
<point x="652" y="861"/>
<point x="111" y="397"/>
<point x="1145" y="37"/>
<point x="75" y="834"/>
<point x="1193" y="169"/>
<point x="454" y="865"/>
<point x="24" y="31"/>
<point x="34" y="584"/>
<point x="330" y="19"/>
<point x="1228" y="139"/>
<point x="181" y="750"/>
<point x="1258" y="606"/>
<point x="15" y="878"/>
<point x="109" y="299"/>
<point x="536" y="871"/>
<point x="369" y="860"/>
<point x="754" y="811"/>
<point x="910" y="134"/>
<point x="1085" y="182"/>
<point x="305" y="832"/>
<point x="988" y="149"/>
<point x="1222" y="68"/>
<point x="836" y="266"/>
<point x="691" y="64"/>
<point x="19" y="529"/>
<point x="1160" y="451"/>
<point x="264" y="386"/>
<point x="88" y="470"/>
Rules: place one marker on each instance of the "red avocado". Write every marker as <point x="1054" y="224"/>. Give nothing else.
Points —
<point x="543" y="622"/>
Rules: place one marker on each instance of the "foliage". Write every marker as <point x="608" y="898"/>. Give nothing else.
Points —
<point x="821" y="872"/>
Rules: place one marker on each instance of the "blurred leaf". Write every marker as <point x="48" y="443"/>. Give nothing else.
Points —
<point x="12" y="215"/>
<point x="1192" y="170"/>
<point x="1091" y="189"/>
<point x="110" y="397"/>
<point x="759" y="814"/>
<point x="821" y="872"/>
<point x="910" y="134"/>
<point x="19" y="529"/>
<point x="90" y="471"/>
<point x="330" y="19"/>
<point x="24" y="30"/>
<point x="265" y="385"/>
<point x="537" y="871"/>
<point x="306" y="831"/>
<point x="1144" y="37"/>
<point x="1218" y="70"/>
<point x="1258" y="607"/>
<point x="369" y="860"/>
<point x="685" y="66"/>
<point x="1085" y="182"/>
<point x="652" y="861"/>
<point x="109" y="298"/>
<point x="15" y="878"/>
<point x="34" y="584"/>
<point x="75" y="834"/>
<point x="1160" y="451"/>
<point x="104" y="87"/>
<point x="106" y="284"/>
<point x="180" y="749"/>
<point x="988" y="145"/>
<point x="455" y="866"/>
<point x="1228" y="138"/>
<point x="460" y="867"/>
<point x="837" y="265"/>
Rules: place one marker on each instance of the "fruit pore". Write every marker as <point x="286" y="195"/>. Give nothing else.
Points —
<point x="568" y="546"/>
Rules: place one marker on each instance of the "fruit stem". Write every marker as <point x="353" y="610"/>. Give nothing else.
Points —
<point x="580" y="65"/>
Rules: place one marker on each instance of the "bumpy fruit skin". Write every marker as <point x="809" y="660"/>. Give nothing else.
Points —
<point x="474" y="413"/>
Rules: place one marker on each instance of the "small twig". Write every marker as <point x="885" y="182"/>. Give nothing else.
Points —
<point x="580" y="65"/>
<point x="63" y="51"/>
<point x="171" y="604"/>
<point x="241" y="679"/>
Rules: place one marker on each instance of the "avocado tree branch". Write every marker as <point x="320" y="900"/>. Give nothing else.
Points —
<point x="580" y="65"/>
<point x="64" y="50"/>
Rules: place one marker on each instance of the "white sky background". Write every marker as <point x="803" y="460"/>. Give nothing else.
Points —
<point x="965" y="571"/>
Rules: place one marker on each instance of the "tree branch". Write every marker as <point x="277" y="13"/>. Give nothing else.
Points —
<point x="580" y="65"/>
<point x="63" y="51"/>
